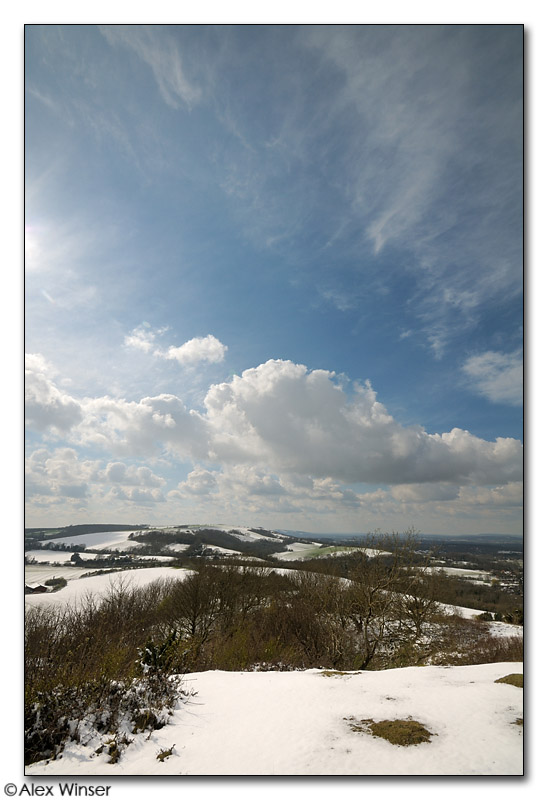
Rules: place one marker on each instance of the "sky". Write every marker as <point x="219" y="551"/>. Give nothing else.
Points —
<point x="274" y="276"/>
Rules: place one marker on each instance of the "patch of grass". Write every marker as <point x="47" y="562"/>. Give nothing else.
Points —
<point x="359" y="725"/>
<point x="515" y="679"/>
<point x="518" y="721"/>
<point x="146" y="720"/>
<point x="163" y="754"/>
<point x="402" y="732"/>
<point x="329" y="673"/>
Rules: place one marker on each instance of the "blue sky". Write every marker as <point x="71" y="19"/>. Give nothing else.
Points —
<point x="274" y="276"/>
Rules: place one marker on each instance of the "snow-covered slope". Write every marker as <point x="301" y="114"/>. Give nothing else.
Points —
<point x="77" y="590"/>
<point x="299" y="723"/>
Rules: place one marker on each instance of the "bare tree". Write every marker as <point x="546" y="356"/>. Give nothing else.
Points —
<point x="381" y="573"/>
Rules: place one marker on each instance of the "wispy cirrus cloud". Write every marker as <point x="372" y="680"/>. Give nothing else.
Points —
<point x="160" y="51"/>
<point x="433" y="163"/>
<point x="496" y="376"/>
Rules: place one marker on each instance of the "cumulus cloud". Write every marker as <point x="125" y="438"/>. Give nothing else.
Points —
<point x="497" y="376"/>
<point x="507" y="496"/>
<point x="62" y="473"/>
<point x="278" y="437"/>
<point x="426" y="492"/>
<point x="45" y="405"/>
<point x="118" y="472"/>
<point x="135" y="495"/>
<point x="199" y="481"/>
<point x="302" y="421"/>
<point x="205" y="348"/>
<point x="142" y="337"/>
<point x="143" y="428"/>
<point x="77" y="491"/>
<point x="200" y="348"/>
<point x="54" y="476"/>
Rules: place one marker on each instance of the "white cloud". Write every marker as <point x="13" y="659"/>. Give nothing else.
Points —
<point x="200" y="348"/>
<point x="118" y="472"/>
<point x="143" y="428"/>
<point x="286" y="418"/>
<point x="142" y="337"/>
<point x="426" y="492"/>
<point x="159" y="50"/>
<point x="205" y="348"/>
<point x="45" y="405"/>
<point x="299" y="421"/>
<point x="62" y="473"/>
<point x="134" y="495"/>
<point x="411" y="173"/>
<point x="280" y="438"/>
<point x="507" y="496"/>
<point x="497" y="376"/>
<point x="199" y="481"/>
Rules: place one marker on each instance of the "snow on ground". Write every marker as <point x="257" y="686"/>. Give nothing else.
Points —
<point x="244" y="534"/>
<point x="299" y="723"/>
<point x="97" y="540"/>
<point x="458" y="572"/>
<point x="296" y="551"/>
<point x="78" y="590"/>
<point x="177" y="548"/>
<point x="300" y="551"/>
<point x="461" y="611"/>
<point x="500" y="629"/>
<point x="62" y="557"/>
<point x="57" y="556"/>
<point x="497" y="629"/>
<point x="156" y="558"/>
<point x="370" y="552"/>
<point x="38" y="573"/>
<point x="118" y="547"/>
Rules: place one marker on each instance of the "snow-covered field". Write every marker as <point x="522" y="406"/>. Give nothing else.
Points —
<point x="300" y="551"/>
<point x="77" y="590"/>
<point x="459" y="572"/>
<point x="61" y="557"/>
<point x="299" y="723"/>
<point x="103" y="540"/>
<point x="177" y="548"/>
<point x="57" y="556"/>
<point x="223" y="550"/>
<point x="244" y="534"/>
<point x="497" y="629"/>
<point x="297" y="550"/>
<point x="38" y="573"/>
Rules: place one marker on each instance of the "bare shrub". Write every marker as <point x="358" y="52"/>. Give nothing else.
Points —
<point x="86" y="662"/>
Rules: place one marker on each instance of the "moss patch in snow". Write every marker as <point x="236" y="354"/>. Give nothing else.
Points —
<point x="163" y="754"/>
<point x="330" y="673"/>
<point x="515" y="679"/>
<point x="403" y="732"/>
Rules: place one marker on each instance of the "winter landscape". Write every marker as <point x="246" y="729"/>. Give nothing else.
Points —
<point x="273" y="401"/>
<point x="294" y="700"/>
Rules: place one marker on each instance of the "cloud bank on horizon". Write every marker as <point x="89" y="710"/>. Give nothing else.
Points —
<point x="274" y="276"/>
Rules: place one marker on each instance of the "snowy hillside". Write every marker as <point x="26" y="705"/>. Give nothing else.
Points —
<point x="97" y="585"/>
<point x="211" y="539"/>
<point x="315" y="723"/>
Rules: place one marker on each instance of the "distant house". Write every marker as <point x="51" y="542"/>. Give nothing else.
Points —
<point x="35" y="588"/>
